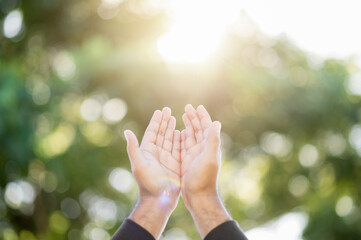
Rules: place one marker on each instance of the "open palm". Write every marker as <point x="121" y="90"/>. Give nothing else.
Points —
<point x="156" y="163"/>
<point x="200" y="152"/>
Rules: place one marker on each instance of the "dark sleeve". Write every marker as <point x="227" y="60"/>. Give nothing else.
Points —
<point x="226" y="231"/>
<point x="129" y="230"/>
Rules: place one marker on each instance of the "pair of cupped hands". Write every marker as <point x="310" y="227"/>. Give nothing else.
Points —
<point x="169" y="162"/>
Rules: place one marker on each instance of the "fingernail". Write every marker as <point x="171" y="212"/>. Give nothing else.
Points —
<point x="166" y="108"/>
<point x="126" y="134"/>
<point x="217" y="124"/>
<point x="188" y="106"/>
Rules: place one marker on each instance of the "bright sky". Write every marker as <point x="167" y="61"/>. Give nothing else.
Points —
<point x="198" y="27"/>
<point x="325" y="27"/>
<point x="328" y="28"/>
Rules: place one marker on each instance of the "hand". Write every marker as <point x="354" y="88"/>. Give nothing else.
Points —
<point x="200" y="154"/>
<point x="156" y="168"/>
<point x="201" y="162"/>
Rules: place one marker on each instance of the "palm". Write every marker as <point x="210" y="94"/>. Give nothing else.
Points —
<point x="162" y="169"/>
<point x="156" y="163"/>
<point x="199" y="151"/>
<point x="192" y="155"/>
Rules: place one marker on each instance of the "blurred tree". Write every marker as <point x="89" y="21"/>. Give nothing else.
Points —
<point x="78" y="73"/>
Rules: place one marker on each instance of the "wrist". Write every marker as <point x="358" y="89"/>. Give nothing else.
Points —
<point x="203" y="199"/>
<point x="163" y="203"/>
<point x="208" y="212"/>
<point x="204" y="202"/>
<point x="152" y="214"/>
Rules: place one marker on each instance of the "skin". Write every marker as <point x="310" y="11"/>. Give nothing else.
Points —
<point x="154" y="163"/>
<point x="166" y="156"/>
<point x="201" y="162"/>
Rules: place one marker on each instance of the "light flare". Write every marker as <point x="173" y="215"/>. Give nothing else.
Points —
<point x="174" y="181"/>
<point x="198" y="28"/>
<point x="164" y="198"/>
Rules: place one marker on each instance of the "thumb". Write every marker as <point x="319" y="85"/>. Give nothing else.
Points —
<point x="132" y="145"/>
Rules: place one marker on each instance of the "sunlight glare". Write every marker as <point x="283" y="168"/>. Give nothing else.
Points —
<point x="287" y="227"/>
<point x="13" y="23"/>
<point x="121" y="180"/>
<point x="197" y="30"/>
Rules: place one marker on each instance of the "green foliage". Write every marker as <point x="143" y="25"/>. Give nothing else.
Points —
<point x="271" y="98"/>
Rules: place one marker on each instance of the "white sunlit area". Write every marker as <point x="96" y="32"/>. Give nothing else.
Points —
<point x="197" y="30"/>
<point x="13" y="24"/>
<point x="286" y="227"/>
<point x="324" y="28"/>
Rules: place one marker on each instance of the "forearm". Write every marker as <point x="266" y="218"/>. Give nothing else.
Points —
<point x="151" y="215"/>
<point x="208" y="212"/>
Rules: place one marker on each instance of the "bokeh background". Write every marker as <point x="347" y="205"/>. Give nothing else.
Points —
<point x="74" y="74"/>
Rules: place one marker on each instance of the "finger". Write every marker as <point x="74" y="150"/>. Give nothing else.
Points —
<point x="166" y="112"/>
<point x="193" y="117"/>
<point x="213" y="138"/>
<point x="204" y="117"/>
<point x="168" y="137"/>
<point x="151" y="132"/>
<point x="215" y="129"/>
<point x="184" y="161"/>
<point x="190" y="139"/>
<point x="132" y="145"/>
<point x="176" y="149"/>
<point x="183" y="147"/>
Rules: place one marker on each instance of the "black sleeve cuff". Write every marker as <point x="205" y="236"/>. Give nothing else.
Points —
<point x="228" y="230"/>
<point x="130" y="230"/>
